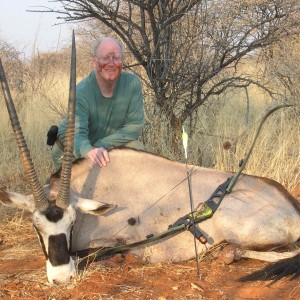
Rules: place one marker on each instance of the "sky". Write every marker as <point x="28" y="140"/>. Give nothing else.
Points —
<point x="29" y="31"/>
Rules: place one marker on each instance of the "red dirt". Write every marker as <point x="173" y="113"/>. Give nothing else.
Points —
<point x="23" y="276"/>
<point x="130" y="279"/>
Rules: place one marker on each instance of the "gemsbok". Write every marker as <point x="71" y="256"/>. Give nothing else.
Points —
<point x="142" y="195"/>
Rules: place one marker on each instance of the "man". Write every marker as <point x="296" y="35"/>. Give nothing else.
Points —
<point x="109" y="108"/>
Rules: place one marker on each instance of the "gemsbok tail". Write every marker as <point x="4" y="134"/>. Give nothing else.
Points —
<point x="277" y="270"/>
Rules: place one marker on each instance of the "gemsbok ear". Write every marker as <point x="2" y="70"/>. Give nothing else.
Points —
<point x="93" y="207"/>
<point x="17" y="200"/>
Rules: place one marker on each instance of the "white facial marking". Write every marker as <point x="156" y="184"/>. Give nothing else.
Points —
<point x="60" y="274"/>
<point x="46" y="228"/>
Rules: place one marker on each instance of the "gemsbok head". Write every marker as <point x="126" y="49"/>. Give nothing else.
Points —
<point x="53" y="217"/>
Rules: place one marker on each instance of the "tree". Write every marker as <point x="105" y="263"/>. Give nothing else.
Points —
<point x="282" y="67"/>
<point x="189" y="49"/>
<point x="13" y="64"/>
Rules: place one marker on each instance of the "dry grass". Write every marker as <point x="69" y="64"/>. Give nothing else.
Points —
<point x="36" y="115"/>
<point x="276" y="154"/>
<point x="42" y="103"/>
<point x="18" y="238"/>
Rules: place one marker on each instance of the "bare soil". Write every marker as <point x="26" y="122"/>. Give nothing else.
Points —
<point x="23" y="274"/>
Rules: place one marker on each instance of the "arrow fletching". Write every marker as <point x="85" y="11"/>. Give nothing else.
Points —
<point x="185" y="138"/>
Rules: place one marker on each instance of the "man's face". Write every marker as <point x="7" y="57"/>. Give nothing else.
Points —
<point x="108" y="61"/>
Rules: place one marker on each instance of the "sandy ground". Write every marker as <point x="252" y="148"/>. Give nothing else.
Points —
<point x="130" y="279"/>
<point x="23" y="274"/>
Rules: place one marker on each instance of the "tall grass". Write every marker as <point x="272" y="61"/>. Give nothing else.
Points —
<point x="36" y="114"/>
<point x="227" y="119"/>
<point x="276" y="153"/>
<point x="224" y="133"/>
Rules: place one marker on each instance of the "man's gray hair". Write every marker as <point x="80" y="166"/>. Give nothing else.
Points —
<point x="104" y="39"/>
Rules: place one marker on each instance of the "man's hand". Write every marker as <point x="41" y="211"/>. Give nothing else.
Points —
<point x="99" y="156"/>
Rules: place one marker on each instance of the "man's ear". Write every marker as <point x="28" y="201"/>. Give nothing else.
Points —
<point x="93" y="207"/>
<point x="94" y="61"/>
<point x="17" y="200"/>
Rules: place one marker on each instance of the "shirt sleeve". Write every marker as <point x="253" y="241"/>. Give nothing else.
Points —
<point x="133" y="124"/>
<point x="82" y="144"/>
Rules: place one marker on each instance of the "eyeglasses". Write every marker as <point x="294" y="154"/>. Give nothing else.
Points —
<point x="106" y="59"/>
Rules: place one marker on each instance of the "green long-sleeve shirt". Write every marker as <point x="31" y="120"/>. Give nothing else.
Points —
<point x="106" y="122"/>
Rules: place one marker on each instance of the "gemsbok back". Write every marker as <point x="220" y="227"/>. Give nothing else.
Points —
<point x="151" y="193"/>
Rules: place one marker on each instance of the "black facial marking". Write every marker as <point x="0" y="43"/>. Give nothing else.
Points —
<point x="58" y="251"/>
<point x="54" y="213"/>
<point x="71" y="239"/>
<point x="41" y="242"/>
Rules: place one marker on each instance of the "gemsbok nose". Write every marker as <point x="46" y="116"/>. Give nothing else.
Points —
<point x="61" y="274"/>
